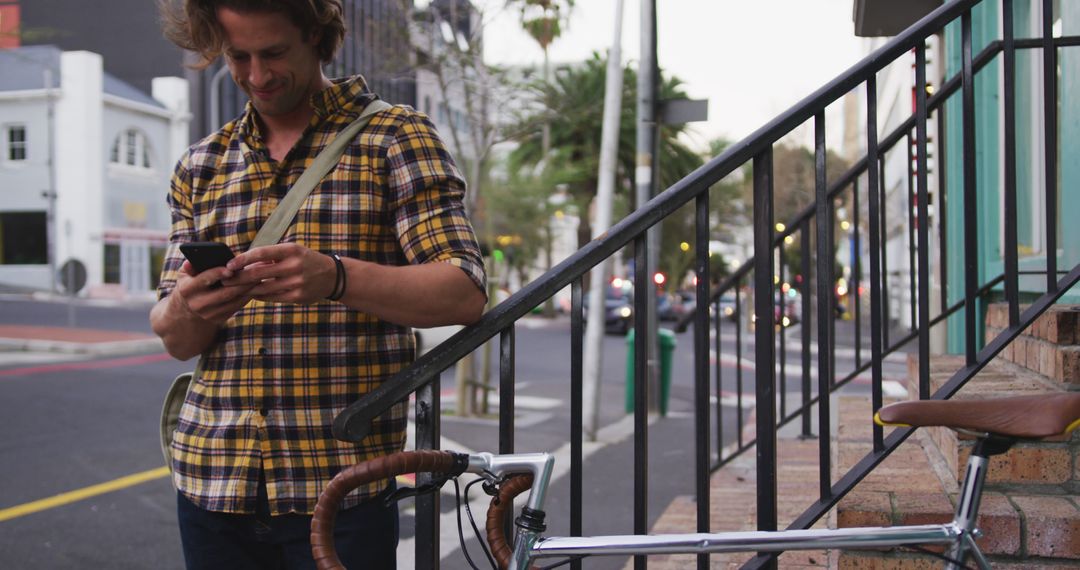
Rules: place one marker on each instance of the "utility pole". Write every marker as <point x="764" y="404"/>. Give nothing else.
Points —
<point x="605" y="191"/>
<point x="645" y="175"/>
<point x="50" y="193"/>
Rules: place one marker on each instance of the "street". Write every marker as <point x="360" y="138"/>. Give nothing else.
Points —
<point x="70" y="424"/>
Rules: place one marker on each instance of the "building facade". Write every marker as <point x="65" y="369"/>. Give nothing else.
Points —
<point x="84" y="160"/>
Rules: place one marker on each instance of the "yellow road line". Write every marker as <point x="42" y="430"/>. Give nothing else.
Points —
<point x="84" y="493"/>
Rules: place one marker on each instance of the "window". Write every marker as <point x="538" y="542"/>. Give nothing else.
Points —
<point x="130" y="148"/>
<point x="23" y="239"/>
<point x="112" y="263"/>
<point x="16" y="142"/>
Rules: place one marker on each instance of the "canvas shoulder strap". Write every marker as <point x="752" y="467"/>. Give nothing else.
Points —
<point x="282" y="216"/>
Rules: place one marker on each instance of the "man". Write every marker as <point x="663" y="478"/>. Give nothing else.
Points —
<point x="254" y="447"/>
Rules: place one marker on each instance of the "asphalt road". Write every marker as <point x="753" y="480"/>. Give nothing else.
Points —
<point x="69" y="426"/>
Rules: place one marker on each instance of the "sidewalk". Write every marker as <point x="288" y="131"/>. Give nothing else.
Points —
<point x="65" y="340"/>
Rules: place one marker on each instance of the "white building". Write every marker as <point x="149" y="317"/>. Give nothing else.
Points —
<point x="85" y="161"/>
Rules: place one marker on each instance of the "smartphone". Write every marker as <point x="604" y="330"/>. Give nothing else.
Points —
<point x="205" y="255"/>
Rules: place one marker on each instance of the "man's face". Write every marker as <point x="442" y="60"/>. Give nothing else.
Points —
<point x="270" y="60"/>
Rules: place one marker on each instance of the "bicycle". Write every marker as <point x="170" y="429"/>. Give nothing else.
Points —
<point x="997" y="424"/>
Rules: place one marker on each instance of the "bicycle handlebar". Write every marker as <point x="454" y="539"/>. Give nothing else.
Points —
<point x="385" y="467"/>
<point x="516" y="472"/>
<point x="496" y="535"/>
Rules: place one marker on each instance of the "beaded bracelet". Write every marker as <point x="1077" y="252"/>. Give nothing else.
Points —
<point x="339" y="280"/>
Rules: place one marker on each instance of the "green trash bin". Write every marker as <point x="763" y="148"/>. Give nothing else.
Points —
<point x="666" y="338"/>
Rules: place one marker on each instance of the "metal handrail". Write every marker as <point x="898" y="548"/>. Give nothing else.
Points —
<point x="352" y="424"/>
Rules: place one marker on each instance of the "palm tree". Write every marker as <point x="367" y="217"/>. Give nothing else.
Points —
<point x="543" y="20"/>
<point x="572" y="103"/>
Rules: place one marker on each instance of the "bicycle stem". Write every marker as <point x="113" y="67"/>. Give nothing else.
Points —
<point x="540" y="465"/>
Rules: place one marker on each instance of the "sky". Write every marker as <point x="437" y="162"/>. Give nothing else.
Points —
<point x="751" y="59"/>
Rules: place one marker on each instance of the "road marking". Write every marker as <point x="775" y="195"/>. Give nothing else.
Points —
<point x="84" y="493"/>
<point x="85" y="365"/>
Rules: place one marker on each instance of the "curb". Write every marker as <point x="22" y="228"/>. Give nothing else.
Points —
<point x="141" y="346"/>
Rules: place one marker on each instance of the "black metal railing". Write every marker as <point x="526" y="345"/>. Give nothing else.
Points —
<point x="862" y="187"/>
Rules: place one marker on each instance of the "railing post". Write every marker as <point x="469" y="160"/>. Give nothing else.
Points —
<point x="506" y="402"/>
<point x="910" y="204"/>
<point x="765" y="342"/>
<point x="942" y="208"/>
<point x="1050" y="128"/>
<point x="641" y="392"/>
<point x="923" y="199"/>
<point x="781" y="306"/>
<point x="577" y="410"/>
<point x="971" y="220"/>
<point x="825" y="308"/>
<point x="701" y="369"/>
<point x="1009" y="207"/>
<point x="718" y="347"/>
<point x="856" y="270"/>
<point x="874" y="219"/>
<point x="428" y="405"/>
<point x="805" y="291"/>
<point x="740" y="315"/>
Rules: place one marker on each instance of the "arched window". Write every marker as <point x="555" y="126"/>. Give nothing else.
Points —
<point x="130" y="148"/>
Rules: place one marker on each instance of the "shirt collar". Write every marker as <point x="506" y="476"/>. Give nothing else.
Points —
<point x="347" y="96"/>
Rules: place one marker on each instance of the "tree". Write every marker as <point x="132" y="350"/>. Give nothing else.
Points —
<point x="543" y="20"/>
<point x="572" y="103"/>
<point x="448" y="36"/>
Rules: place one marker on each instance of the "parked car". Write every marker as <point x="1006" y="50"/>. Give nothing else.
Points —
<point x="728" y="308"/>
<point x="618" y="308"/>
<point x="665" y="307"/>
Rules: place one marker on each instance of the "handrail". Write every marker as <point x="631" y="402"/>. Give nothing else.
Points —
<point x="353" y="423"/>
<point x="814" y="226"/>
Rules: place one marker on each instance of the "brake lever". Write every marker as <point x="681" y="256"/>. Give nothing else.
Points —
<point x="406" y="492"/>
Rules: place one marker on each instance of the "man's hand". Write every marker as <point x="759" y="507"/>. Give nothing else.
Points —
<point x="284" y="273"/>
<point x="205" y="297"/>
<point x="189" y="318"/>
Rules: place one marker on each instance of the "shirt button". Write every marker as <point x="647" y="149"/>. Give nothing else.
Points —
<point x="263" y="351"/>
<point x="263" y="412"/>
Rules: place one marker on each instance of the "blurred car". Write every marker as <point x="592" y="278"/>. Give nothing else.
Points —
<point x="618" y="308"/>
<point x="728" y="308"/>
<point x="683" y="304"/>
<point x="665" y="307"/>
<point x="785" y="313"/>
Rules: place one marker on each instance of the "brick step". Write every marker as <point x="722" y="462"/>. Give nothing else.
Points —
<point x="1023" y="527"/>
<point x="733" y="506"/>
<point x="1050" y="346"/>
<point x="1048" y="463"/>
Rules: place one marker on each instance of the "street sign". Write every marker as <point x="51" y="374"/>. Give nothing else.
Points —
<point x="679" y="111"/>
<point x="72" y="276"/>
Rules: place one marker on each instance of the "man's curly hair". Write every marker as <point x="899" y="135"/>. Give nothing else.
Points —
<point x="193" y="24"/>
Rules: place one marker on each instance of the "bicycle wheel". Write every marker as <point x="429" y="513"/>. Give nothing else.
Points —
<point x="322" y="521"/>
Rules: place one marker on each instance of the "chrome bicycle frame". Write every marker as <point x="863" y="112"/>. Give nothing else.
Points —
<point x="959" y="534"/>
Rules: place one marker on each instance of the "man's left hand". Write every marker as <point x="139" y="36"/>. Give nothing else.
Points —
<point x="285" y="273"/>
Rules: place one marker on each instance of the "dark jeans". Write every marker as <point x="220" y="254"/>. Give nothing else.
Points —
<point x="365" y="536"/>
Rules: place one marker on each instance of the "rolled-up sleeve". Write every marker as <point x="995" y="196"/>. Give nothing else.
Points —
<point x="427" y="200"/>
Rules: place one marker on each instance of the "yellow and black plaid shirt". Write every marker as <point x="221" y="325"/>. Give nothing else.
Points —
<point x="278" y="374"/>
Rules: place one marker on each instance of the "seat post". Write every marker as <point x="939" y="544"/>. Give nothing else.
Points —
<point x="967" y="504"/>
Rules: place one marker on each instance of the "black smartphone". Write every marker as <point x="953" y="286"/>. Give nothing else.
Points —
<point x="205" y="255"/>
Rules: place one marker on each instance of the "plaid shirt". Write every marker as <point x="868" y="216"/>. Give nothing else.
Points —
<point x="277" y="374"/>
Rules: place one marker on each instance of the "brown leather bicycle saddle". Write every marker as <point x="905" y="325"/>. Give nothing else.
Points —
<point x="1044" y="415"/>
